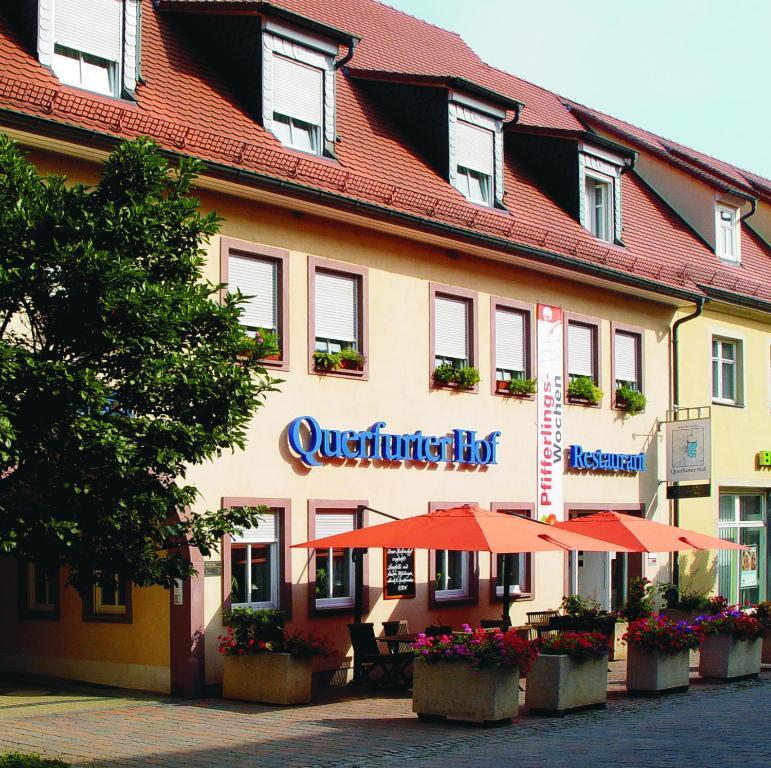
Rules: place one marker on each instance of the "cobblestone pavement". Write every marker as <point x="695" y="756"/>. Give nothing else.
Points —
<point x="712" y="725"/>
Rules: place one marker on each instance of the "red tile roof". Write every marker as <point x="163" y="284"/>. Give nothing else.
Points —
<point x="188" y="106"/>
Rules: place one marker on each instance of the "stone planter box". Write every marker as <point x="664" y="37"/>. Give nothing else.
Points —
<point x="726" y="658"/>
<point x="766" y="653"/>
<point x="271" y="678"/>
<point x="618" y="646"/>
<point x="557" y="684"/>
<point x="649" y="673"/>
<point x="458" y="690"/>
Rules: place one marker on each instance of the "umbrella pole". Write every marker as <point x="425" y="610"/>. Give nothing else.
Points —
<point x="357" y="555"/>
<point x="505" y="570"/>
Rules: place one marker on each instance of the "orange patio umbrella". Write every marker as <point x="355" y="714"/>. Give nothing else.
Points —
<point x="640" y="535"/>
<point x="471" y="529"/>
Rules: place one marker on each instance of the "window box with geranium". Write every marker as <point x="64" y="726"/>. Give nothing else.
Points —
<point x="762" y="613"/>
<point x="266" y="662"/>
<point x="471" y="675"/>
<point x="658" y="656"/>
<point x="570" y="673"/>
<point x="732" y="646"/>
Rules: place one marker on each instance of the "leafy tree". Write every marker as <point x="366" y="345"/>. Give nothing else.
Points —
<point x="119" y="368"/>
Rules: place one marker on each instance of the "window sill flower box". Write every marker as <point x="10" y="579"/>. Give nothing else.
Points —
<point x="270" y="678"/>
<point x="458" y="690"/>
<point x="557" y="684"/>
<point x="649" y="673"/>
<point x="725" y="657"/>
<point x="502" y="387"/>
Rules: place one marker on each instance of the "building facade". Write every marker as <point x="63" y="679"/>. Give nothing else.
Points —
<point x="431" y="224"/>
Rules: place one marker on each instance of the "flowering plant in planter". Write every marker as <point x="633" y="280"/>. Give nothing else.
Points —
<point x="762" y="613"/>
<point x="522" y="387"/>
<point x="352" y="359"/>
<point x="640" y="602"/>
<point x="580" y="646"/>
<point x="478" y="647"/>
<point x="262" y="631"/>
<point x="731" y="622"/>
<point x="659" y="635"/>
<point x="630" y="400"/>
<point x="584" y="389"/>
<point x="464" y="377"/>
<point x="326" y="361"/>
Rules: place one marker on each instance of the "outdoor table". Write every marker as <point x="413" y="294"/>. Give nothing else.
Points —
<point x="394" y="641"/>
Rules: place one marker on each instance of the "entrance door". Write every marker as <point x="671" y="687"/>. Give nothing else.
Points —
<point x="594" y="577"/>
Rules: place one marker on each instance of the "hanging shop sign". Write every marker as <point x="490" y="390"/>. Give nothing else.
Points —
<point x="764" y="458"/>
<point x="688" y="450"/>
<point x="398" y="573"/>
<point x="311" y="442"/>
<point x="550" y="414"/>
<point x="605" y="462"/>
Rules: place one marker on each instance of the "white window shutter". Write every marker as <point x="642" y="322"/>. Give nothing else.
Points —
<point x="509" y="340"/>
<point x="266" y="531"/>
<point x="626" y="357"/>
<point x="332" y="523"/>
<point x="580" y="350"/>
<point x="257" y="278"/>
<point x="336" y="306"/>
<point x="474" y="147"/>
<point x="297" y="90"/>
<point x="89" y="26"/>
<point x="451" y="328"/>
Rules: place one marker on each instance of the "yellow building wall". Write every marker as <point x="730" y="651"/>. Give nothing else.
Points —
<point x="738" y="432"/>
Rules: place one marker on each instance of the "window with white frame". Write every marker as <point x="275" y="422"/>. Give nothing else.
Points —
<point x="510" y="344"/>
<point x="627" y="360"/>
<point x="298" y="104"/>
<point x="334" y="565"/>
<point x="451" y="574"/>
<point x="110" y="595"/>
<point x="743" y="575"/>
<point x="88" y="43"/>
<point x="518" y="574"/>
<point x="42" y="584"/>
<point x="599" y="206"/>
<point x="582" y="351"/>
<point x="451" y="331"/>
<point x="258" y="279"/>
<point x="475" y="162"/>
<point x="727" y="233"/>
<point x="337" y="307"/>
<point x="726" y="364"/>
<point x="254" y="567"/>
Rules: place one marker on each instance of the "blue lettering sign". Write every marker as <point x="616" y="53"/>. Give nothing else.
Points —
<point x="605" y="462"/>
<point x="311" y="442"/>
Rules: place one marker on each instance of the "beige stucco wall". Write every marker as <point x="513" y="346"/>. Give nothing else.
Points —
<point x="398" y="392"/>
<point x="738" y="432"/>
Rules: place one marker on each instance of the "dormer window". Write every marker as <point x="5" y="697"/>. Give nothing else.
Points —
<point x="727" y="233"/>
<point x="600" y="179"/>
<point x="90" y="44"/>
<point x="476" y="149"/>
<point x="599" y="206"/>
<point x="298" y="90"/>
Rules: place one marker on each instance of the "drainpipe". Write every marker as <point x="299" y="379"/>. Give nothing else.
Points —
<point x="348" y="56"/>
<point x="675" y="405"/>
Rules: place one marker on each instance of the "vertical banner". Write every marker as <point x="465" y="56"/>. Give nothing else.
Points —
<point x="550" y="413"/>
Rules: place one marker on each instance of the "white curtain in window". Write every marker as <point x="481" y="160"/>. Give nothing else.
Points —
<point x="266" y="531"/>
<point x="336" y="306"/>
<point x="89" y="26"/>
<point x="451" y="328"/>
<point x="509" y="340"/>
<point x="332" y="523"/>
<point x="474" y="147"/>
<point x="257" y="278"/>
<point x="626" y="356"/>
<point x="297" y="90"/>
<point x="580" y="350"/>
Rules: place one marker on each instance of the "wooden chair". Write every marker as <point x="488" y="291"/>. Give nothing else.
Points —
<point x="540" y="617"/>
<point x="387" y="669"/>
<point x="394" y="629"/>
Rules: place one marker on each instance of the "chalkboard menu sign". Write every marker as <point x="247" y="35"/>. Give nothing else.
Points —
<point x="399" y="573"/>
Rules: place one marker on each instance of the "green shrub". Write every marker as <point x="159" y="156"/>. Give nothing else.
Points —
<point x="326" y="361"/>
<point x="579" y="607"/>
<point x="464" y="377"/>
<point x="262" y="624"/>
<point x="680" y="600"/>
<point x="18" y="760"/>
<point x="583" y="388"/>
<point x="444" y="373"/>
<point x="522" y="386"/>
<point x="640" y="601"/>
<point x="630" y="400"/>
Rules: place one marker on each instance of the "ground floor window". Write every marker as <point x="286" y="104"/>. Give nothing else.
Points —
<point x="335" y="571"/>
<point x="38" y="590"/>
<point x="451" y="574"/>
<point x="110" y="595"/>
<point x="743" y="576"/>
<point x="254" y="565"/>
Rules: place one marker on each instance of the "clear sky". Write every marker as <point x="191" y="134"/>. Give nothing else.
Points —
<point x="696" y="71"/>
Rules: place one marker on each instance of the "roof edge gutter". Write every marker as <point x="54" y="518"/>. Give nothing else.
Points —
<point x="301" y="191"/>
